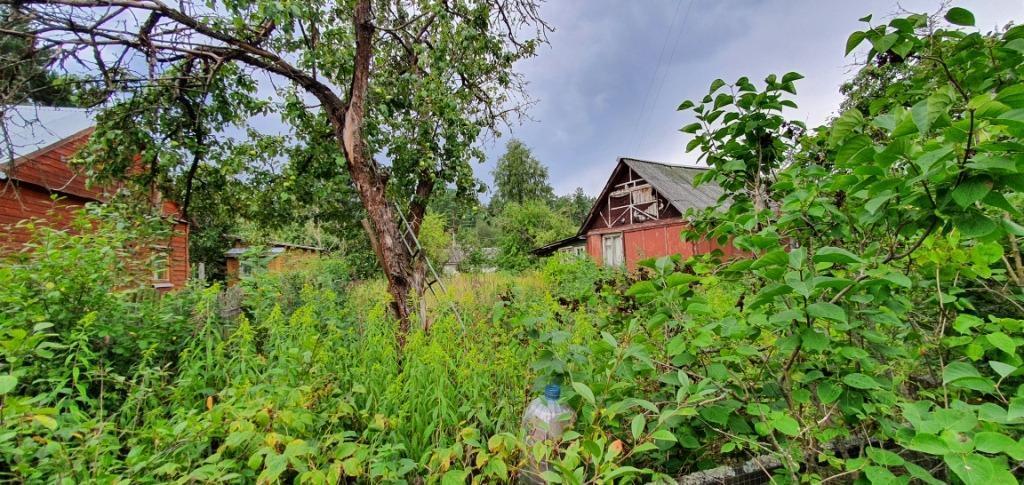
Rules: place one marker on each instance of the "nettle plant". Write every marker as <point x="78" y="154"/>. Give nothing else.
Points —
<point x="877" y="333"/>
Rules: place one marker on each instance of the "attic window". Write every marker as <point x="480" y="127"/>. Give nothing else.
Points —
<point x="643" y="194"/>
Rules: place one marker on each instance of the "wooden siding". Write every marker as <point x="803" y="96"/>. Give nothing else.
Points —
<point x="653" y="240"/>
<point x="43" y="186"/>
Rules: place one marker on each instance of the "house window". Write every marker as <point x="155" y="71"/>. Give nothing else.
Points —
<point x="613" y="251"/>
<point x="161" y="267"/>
<point x="573" y="250"/>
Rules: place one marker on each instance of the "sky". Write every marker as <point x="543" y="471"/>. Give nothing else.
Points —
<point x="610" y="79"/>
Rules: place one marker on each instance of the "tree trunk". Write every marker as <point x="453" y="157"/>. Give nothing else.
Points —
<point x="395" y="258"/>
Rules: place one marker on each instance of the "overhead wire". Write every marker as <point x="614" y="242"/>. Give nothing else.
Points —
<point x="641" y="115"/>
<point x="664" y="76"/>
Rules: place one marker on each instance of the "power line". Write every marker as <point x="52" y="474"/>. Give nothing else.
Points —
<point x="664" y="76"/>
<point x="654" y="76"/>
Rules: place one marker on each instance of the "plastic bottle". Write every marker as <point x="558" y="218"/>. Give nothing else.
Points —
<point x="545" y="419"/>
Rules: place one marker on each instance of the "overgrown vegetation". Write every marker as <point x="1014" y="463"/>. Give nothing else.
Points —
<point x="871" y="334"/>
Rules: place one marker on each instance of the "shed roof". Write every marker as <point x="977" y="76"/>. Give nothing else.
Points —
<point x="33" y="128"/>
<point x="550" y="248"/>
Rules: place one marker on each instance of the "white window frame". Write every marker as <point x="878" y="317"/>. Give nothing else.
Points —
<point x="614" y="259"/>
<point x="161" y="266"/>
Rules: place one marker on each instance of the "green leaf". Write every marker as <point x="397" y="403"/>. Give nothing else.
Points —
<point x="884" y="457"/>
<point x="814" y="340"/>
<point x="844" y="126"/>
<point x="973" y="469"/>
<point x="877" y="474"/>
<point x="992" y="442"/>
<point x="974" y="224"/>
<point x="1002" y="342"/>
<point x="830" y="254"/>
<point x="920" y="473"/>
<point x="1016" y="409"/>
<point x="826" y="310"/>
<point x="876" y="203"/>
<point x="791" y="76"/>
<point x="860" y="381"/>
<point x="898" y="279"/>
<point x="1001" y="368"/>
<point x="637" y="426"/>
<point x="971" y="191"/>
<point x="856" y="150"/>
<point x="691" y="128"/>
<point x="46" y="421"/>
<point x="454" y="477"/>
<point x="928" y="443"/>
<point x="885" y="42"/>
<point x="663" y="435"/>
<point x="715" y="85"/>
<point x="960" y="16"/>
<point x="786" y="425"/>
<point x="853" y="41"/>
<point x="620" y="471"/>
<point x="7" y="383"/>
<point x="955" y="371"/>
<point x="584" y="391"/>
<point x="926" y="160"/>
<point x="828" y="392"/>
<point x="685" y="105"/>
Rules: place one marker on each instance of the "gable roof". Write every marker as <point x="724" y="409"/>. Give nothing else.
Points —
<point x="30" y="129"/>
<point x="673" y="182"/>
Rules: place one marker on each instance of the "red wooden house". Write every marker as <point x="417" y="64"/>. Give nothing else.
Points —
<point x="37" y="182"/>
<point x="639" y="215"/>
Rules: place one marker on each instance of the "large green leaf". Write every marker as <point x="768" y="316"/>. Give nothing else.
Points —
<point x="584" y="391"/>
<point x="955" y="371"/>
<point x="1002" y="342"/>
<point x="854" y="40"/>
<point x="7" y="383"/>
<point x="860" y="381"/>
<point x="960" y="16"/>
<point x="856" y="150"/>
<point x="974" y="224"/>
<point x="830" y="254"/>
<point x="973" y="469"/>
<point x="971" y="191"/>
<point x="785" y="425"/>
<point x="826" y="310"/>
<point x="928" y="443"/>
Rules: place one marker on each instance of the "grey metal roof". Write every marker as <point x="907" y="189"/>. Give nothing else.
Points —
<point x="32" y="128"/>
<point x="675" y="183"/>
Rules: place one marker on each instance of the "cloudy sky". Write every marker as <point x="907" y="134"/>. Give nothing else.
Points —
<point x="614" y="72"/>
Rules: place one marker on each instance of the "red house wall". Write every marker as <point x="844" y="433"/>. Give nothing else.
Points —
<point x="32" y="183"/>
<point x="652" y="240"/>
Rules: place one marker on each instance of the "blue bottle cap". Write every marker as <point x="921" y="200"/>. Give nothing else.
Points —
<point x="553" y="392"/>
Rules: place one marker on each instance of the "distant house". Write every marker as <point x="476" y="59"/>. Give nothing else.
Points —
<point x="36" y="182"/>
<point x="639" y="215"/>
<point x="275" y="257"/>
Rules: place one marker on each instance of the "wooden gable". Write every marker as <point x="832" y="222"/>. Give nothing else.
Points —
<point x="628" y="199"/>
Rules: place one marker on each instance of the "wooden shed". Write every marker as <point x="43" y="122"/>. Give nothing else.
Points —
<point x="639" y="214"/>
<point x="275" y="257"/>
<point x="36" y="182"/>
